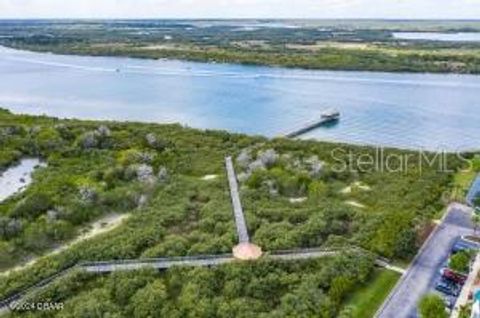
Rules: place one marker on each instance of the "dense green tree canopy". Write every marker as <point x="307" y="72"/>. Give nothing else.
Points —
<point x="292" y="194"/>
<point x="432" y="306"/>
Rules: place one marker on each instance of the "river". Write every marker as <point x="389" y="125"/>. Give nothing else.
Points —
<point x="428" y="111"/>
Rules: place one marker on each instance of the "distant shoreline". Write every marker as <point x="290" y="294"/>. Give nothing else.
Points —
<point x="312" y="44"/>
<point x="355" y="60"/>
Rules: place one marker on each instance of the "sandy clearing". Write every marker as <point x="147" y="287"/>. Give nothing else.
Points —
<point x="362" y="186"/>
<point x="297" y="200"/>
<point x="209" y="177"/>
<point x="103" y="225"/>
<point x="355" y="204"/>
<point x="357" y="184"/>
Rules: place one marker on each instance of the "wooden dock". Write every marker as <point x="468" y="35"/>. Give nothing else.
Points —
<point x="311" y="126"/>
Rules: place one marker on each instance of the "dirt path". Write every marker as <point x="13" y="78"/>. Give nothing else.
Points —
<point x="103" y="225"/>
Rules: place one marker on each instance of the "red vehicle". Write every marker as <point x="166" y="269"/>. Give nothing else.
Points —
<point x="454" y="276"/>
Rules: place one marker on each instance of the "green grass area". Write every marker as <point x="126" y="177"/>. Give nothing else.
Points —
<point x="461" y="184"/>
<point x="366" y="300"/>
<point x="402" y="263"/>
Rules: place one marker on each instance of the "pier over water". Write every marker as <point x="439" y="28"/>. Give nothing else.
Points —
<point x="328" y="117"/>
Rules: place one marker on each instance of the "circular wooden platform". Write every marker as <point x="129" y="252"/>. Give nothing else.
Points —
<point x="247" y="251"/>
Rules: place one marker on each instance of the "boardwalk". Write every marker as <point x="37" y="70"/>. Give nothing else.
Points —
<point x="160" y="264"/>
<point x="240" y="223"/>
<point x="328" y="117"/>
<point x="100" y="267"/>
<point x="195" y="261"/>
<point x="301" y="254"/>
<point x="308" y="127"/>
<point x="4" y="303"/>
<point x="420" y="276"/>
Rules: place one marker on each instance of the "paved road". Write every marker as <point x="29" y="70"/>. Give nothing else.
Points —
<point x="237" y="205"/>
<point x="421" y="275"/>
<point x="474" y="190"/>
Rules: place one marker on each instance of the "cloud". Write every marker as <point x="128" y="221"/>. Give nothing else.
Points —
<point x="458" y="9"/>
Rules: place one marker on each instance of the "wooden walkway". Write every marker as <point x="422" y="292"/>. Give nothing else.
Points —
<point x="240" y="223"/>
<point x="196" y="261"/>
<point x="307" y="127"/>
<point x="18" y="297"/>
<point x="101" y="267"/>
<point x="156" y="263"/>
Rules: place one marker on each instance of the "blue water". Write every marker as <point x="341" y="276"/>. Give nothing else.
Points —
<point x="438" y="36"/>
<point x="404" y="110"/>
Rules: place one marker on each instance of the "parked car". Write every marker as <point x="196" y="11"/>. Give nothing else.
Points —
<point x="447" y="288"/>
<point x="453" y="276"/>
<point x="472" y="239"/>
<point x="461" y="245"/>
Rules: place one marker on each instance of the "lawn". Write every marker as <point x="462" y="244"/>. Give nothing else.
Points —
<point x="462" y="183"/>
<point x="367" y="299"/>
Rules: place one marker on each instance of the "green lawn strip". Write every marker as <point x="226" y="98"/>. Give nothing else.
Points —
<point x="367" y="298"/>
<point x="401" y="263"/>
<point x="462" y="181"/>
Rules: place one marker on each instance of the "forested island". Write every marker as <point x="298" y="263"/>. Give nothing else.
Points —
<point x="169" y="183"/>
<point x="366" y="45"/>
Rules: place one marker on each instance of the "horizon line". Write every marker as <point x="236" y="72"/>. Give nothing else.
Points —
<point x="239" y="18"/>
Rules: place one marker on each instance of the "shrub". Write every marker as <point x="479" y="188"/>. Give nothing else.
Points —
<point x="10" y="228"/>
<point x="33" y="206"/>
<point x="432" y="306"/>
<point x="460" y="262"/>
<point x="49" y="139"/>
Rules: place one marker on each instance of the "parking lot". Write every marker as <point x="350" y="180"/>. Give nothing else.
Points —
<point x="424" y="272"/>
<point x="449" y="285"/>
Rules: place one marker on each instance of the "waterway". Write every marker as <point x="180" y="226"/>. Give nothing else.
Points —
<point x="427" y="111"/>
<point x="439" y="36"/>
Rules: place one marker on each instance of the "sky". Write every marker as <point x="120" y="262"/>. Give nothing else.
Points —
<point x="386" y="9"/>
